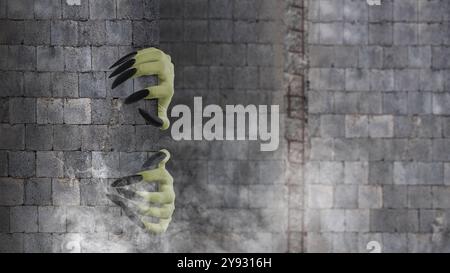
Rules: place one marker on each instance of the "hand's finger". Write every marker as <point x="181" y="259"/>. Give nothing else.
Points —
<point x="133" y="55"/>
<point x="125" y="66"/>
<point x="123" y="59"/>
<point x="151" y="118"/>
<point x="165" y="212"/>
<point x="160" y="227"/>
<point x="126" y="181"/>
<point x="124" y="77"/>
<point x="125" y="206"/>
<point x="153" y="68"/>
<point x="154" y="159"/>
<point x="135" y="97"/>
<point x="157" y="197"/>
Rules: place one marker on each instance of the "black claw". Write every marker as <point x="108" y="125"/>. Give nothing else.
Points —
<point x="124" y="77"/>
<point x="120" y="201"/>
<point x="126" y="181"/>
<point x="154" y="159"/>
<point x="151" y="119"/>
<point x="135" y="97"/>
<point x="123" y="67"/>
<point x="128" y="194"/>
<point x="123" y="59"/>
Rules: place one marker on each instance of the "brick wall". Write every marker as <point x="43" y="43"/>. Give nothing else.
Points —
<point x="64" y="135"/>
<point x="378" y="105"/>
<point x="235" y="197"/>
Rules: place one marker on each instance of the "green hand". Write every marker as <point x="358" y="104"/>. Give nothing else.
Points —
<point x="146" y="62"/>
<point x="139" y="204"/>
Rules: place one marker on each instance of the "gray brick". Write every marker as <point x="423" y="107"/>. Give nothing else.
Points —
<point x="49" y="111"/>
<point x="49" y="164"/>
<point x="381" y="126"/>
<point x="370" y="197"/>
<point x="196" y="77"/>
<point x="21" y="164"/>
<point x="118" y="32"/>
<point x="405" y="10"/>
<point x="77" y="164"/>
<point x="440" y="149"/>
<point x="22" y="110"/>
<point x="67" y="243"/>
<point x="38" y="243"/>
<point x="52" y="219"/>
<point x="332" y="220"/>
<point x="77" y="111"/>
<point x="447" y="174"/>
<point x="431" y="80"/>
<point x="171" y="30"/>
<point x="92" y="33"/>
<point x="122" y="138"/>
<point x="4" y="61"/>
<point x="221" y="77"/>
<point x="381" y="173"/>
<point x="260" y="55"/>
<point x="244" y="32"/>
<point x="105" y="165"/>
<point x="446" y="127"/>
<point x="395" y="57"/>
<point x="3" y="163"/>
<point x="66" y="192"/>
<point x="12" y="137"/>
<point x="11" y="192"/>
<point x="37" y="84"/>
<point x="356" y="33"/>
<point x="101" y="111"/>
<point x="129" y="9"/>
<point x="395" y="197"/>
<point x="13" y="86"/>
<point x="232" y="54"/>
<point x="356" y="172"/>
<point x="3" y="10"/>
<point x="245" y="78"/>
<point x="220" y="9"/>
<point x="102" y="57"/>
<point x="418" y="173"/>
<point x="76" y="12"/>
<point x="20" y="9"/>
<point x="440" y="55"/>
<point x="145" y="138"/>
<point x="24" y="219"/>
<point x="50" y="58"/>
<point x="356" y="126"/>
<point x="11" y="243"/>
<point x="47" y="9"/>
<point x="431" y="34"/>
<point x="357" y="220"/>
<point x="94" y="138"/>
<point x="441" y="103"/>
<point x="419" y="149"/>
<point x="395" y="103"/>
<point x="4" y="219"/>
<point x="65" y="85"/>
<point x="39" y="137"/>
<point x="194" y="30"/>
<point x="221" y="31"/>
<point x="405" y="34"/>
<point x="93" y="192"/>
<point x="64" y="33"/>
<point x="9" y="32"/>
<point x="21" y="57"/>
<point x="38" y="191"/>
<point x="320" y="196"/>
<point x="346" y="196"/>
<point x="394" y="220"/>
<point x="66" y="138"/>
<point x="92" y="85"/>
<point x="419" y="197"/>
<point x="77" y="59"/>
<point x="37" y="33"/>
<point x="419" y="103"/>
<point x="104" y="9"/>
<point x="419" y="56"/>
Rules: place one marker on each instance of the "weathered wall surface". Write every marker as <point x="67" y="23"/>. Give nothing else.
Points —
<point x="378" y="104"/>
<point x="64" y="135"/>
<point x="232" y="197"/>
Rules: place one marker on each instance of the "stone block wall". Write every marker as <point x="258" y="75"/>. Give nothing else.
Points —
<point x="378" y="106"/>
